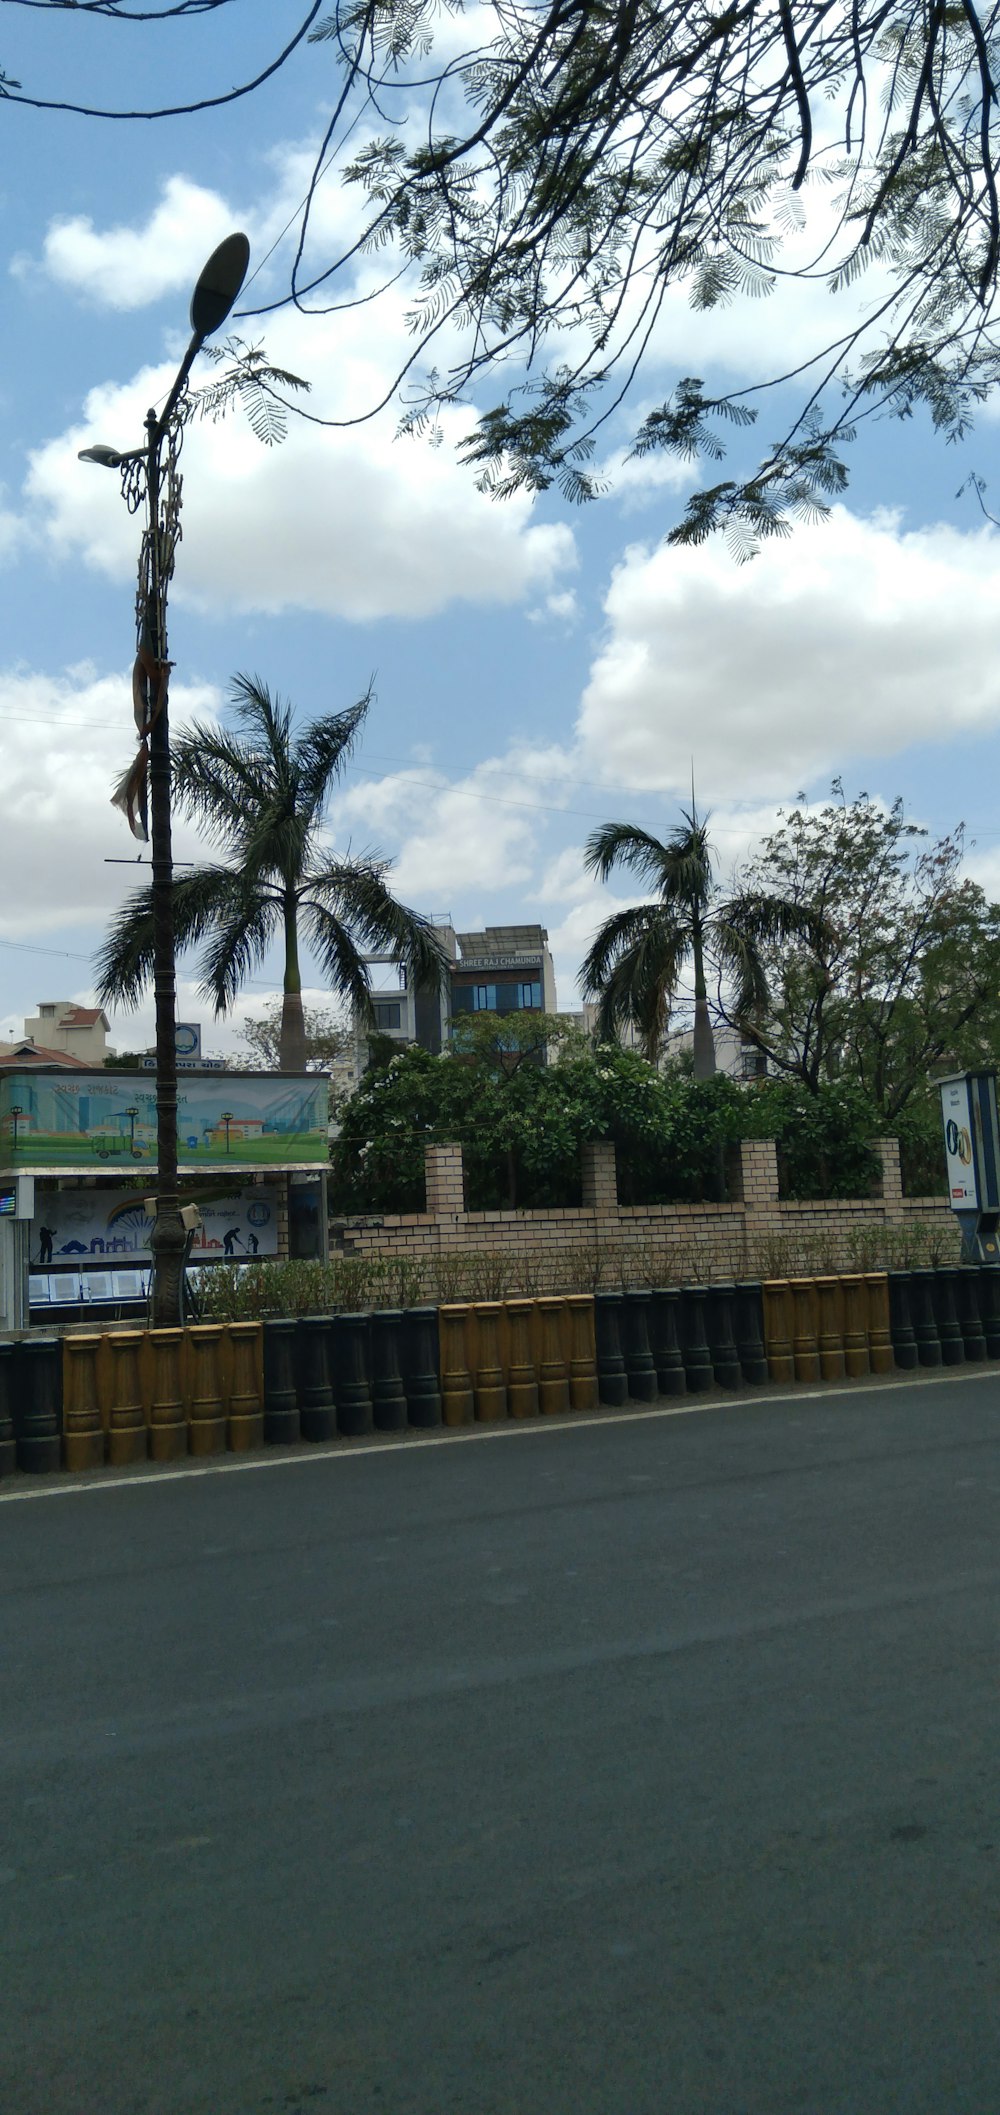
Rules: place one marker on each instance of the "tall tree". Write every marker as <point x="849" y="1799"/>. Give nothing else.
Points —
<point x="262" y="791"/>
<point x="547" y="188"/>
<point x="636" y="963"/>
<point x="899" y="973"/>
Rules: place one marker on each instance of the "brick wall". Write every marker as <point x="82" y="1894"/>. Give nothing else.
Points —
<point x="757" y="1235"/>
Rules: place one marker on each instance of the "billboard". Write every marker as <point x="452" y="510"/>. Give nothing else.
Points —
<point x="959" y="1134"/>
<point x="86" y="1226"/>
<point x="100" y="1123"/>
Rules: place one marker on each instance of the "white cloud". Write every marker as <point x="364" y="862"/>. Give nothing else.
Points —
<point x="855" y="638"/>
<point x="64" y="740"/>
<point x="350" y="523"/>
<point x="128" y="267"/>
<point x="475" y="833"/>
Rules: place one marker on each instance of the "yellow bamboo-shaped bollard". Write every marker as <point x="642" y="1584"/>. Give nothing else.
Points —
<point x="522" y="1387"/>
<point x="83" y="1431"/>
<point x="168" y="1437"/>
<point x="126" y="1417"/>
<point x="855" y="1327"/>
<point x="831" y="1328"/>
<point x="245" y="1426"/>
<point x="207" y="1415"/>
<point x="805" y="1351"/>
<point x="457" y="1402"/>
<point x="582" y="1351"/>
<point x="490" y="1392"/>
<point x="877" y="1318"/>
<point x="553" y="1376"/>
<point x="778" y="1329"/>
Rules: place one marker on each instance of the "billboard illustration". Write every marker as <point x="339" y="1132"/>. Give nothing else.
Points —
<point x="77" y="1226"/>
<point x="100" y="1122"/>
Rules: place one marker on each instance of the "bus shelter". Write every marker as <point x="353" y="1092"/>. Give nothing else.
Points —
<point x="78" y="1173"/>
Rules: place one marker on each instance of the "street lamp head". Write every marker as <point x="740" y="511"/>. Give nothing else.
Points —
<point x="220" y="282"/>
<point x="109" y="458"/>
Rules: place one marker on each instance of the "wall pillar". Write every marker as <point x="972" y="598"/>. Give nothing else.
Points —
<point x="444" y="1179"/>
<point x="759" y="1177"/>
<point x="892" y="1174"/>
<point x="599" y="1174"/>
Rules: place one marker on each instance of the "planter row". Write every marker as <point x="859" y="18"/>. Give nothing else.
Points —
<point x="945" y="1317"/>
<point x="126" y="1396"/>
<point x="827" y="1329"/>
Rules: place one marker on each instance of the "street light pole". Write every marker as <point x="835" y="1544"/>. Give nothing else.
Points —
<point x="143" y="476"/>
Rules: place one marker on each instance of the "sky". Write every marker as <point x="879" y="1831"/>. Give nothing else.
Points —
<point x="537" y="668"/>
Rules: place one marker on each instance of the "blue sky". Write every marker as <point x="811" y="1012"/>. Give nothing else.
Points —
<point x="538" y="669"/>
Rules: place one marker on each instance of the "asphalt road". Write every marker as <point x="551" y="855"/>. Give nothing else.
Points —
<point x="630" y="1768"/>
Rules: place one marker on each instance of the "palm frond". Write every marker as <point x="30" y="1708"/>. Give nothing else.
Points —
<point x="321" y="752"/>
<point x="341" y="960"/>
<point x="618" y="936"/>
<point x="624" y="844"/>
<point x="238" y="943"/>
<point x="124" y="965"/>
<point x="215" y="779"/>
<point x="355" y="891"/>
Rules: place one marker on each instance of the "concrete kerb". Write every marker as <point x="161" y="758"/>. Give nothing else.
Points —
<point x="22" y="1487"/>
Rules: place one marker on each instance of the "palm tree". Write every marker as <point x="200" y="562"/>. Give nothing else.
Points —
<point x="637" y="959"/>
<point x="264" y="792"/>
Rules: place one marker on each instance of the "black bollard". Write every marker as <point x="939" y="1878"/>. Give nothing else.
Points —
<point x="8" y="1444"/>
<point x="352" y="1393"/>
<point x="694" y="1341"/>
<point x="945" y="1294"/>
<point x="612" y="1380"/>
<point x="969" y="1314"/>
<point x="664" y="1303"/>
<point x="639" y="1368"/>
<point x="38" y="1404"/>
<point x="901" y="1332"/>
<point x="388" y="1393"/>
<point x="317" y="1416"/>
<point x="281" y="1403"/>
<point x="749" y="1319"/>
<point x="721" y="1335"/>
<point x="989" y="1295"/>
<point x="925" y="1327"/>
<point x="421" y="1378"/>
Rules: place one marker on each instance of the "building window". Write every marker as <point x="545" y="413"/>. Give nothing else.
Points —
<point x="753" y="1062"/>
<point x="388" y="1014"/>
<point x="496" y="998"/>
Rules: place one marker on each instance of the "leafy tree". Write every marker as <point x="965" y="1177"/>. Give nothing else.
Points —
<point x="327" y="1038"/>
<point x="546" y="190"/>
<point x="263" y="792"/>
<point x="899" y="974"/>
<point x="635" y="965"/>
<point x="668" y="1131"/>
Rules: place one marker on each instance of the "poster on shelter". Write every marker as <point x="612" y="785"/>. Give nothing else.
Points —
<point x="77" y="1226"/>
<point x="101" y="1122"/>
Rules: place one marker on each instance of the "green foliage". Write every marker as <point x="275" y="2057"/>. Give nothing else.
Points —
<point x="899" y="976"/>
<point x="521" y="1133"/>
<point x="823" y="1139"/>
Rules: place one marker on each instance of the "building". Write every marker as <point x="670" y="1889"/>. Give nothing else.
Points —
<point x="80" y="1031"/>
<point x="503" y="969"/>
<point x="26" y="1054"/>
